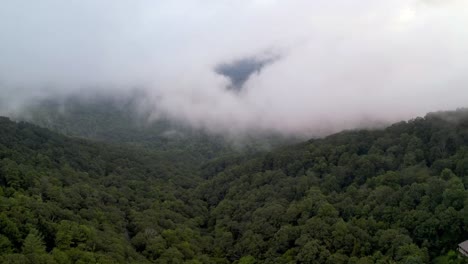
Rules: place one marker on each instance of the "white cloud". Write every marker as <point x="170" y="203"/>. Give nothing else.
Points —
<point x="343" y="64"/>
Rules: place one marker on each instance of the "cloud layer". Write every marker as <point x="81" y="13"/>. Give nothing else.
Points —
<point x="342" y="64"/>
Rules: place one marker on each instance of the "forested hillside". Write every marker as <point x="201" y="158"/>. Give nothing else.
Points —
<point x="397" y="195"/>
<point x="73" y="201"/>
<point x="123" y="120"/>
<point x="126" y="119"/>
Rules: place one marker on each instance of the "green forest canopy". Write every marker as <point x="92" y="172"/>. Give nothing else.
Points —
<point x="396" y="195"/>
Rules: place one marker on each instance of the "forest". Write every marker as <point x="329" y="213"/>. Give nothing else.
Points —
<point x="73" y="192"/>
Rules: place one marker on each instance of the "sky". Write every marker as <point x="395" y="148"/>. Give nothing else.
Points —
<point x="332" y="64"/>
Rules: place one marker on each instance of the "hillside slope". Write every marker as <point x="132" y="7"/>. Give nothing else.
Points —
<point x="397" y="194"/>
<point x="127" y="119"/>
<point x="383" y="196"/>
<point x="68" y="200"/>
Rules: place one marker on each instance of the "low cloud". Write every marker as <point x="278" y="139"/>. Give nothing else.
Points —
<point x="342" y="65"/>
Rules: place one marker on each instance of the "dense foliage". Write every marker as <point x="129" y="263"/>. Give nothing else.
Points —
<point x="387" y="196"/>
<point x="356" y="197"/>
<point x="73" y="201"/>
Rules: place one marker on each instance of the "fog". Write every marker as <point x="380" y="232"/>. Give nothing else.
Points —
<point x="306" y="67"/>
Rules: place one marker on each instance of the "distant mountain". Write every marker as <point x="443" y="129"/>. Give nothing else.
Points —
<point x="126" y="119"/>
<point x="119" y="120"/>
<point x="239" y="71"/>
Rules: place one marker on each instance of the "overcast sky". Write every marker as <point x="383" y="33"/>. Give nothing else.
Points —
<point x="337" y="64"/>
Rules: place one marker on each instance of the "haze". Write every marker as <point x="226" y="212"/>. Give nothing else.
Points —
<point x="337" y="64"/>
